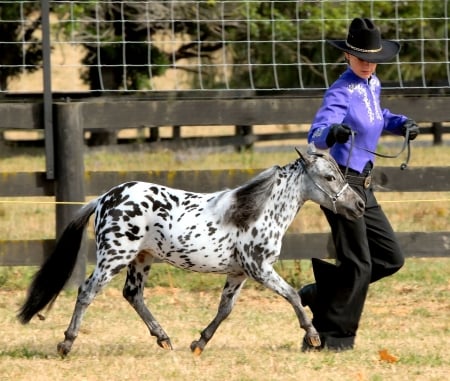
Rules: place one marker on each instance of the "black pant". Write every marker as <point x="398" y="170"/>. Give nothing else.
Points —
<point x="366" y="251"/>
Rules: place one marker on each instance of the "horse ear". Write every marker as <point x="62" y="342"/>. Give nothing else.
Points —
<point x="302" y="157"/>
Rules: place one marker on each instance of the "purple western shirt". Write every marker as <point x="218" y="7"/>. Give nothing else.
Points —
<point x="355" y="102"/>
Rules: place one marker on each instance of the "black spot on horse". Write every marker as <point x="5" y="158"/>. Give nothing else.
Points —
<point x="134" y="229"/>
<point x="174" y="199"/>
<point x="117" y="269"/>
<point x="132" y="237"/>
<point x="136" y="210"/>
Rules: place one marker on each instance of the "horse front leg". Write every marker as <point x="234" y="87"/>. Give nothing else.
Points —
<point x="272" y="280"/>
<point x="230" y="293"/>
<point x="133" y="292"/>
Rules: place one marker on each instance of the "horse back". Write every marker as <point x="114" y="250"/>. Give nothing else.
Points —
<point x="186" y="229"/>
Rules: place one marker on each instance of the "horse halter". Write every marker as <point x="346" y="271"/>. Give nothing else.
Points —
<point x="334" y="197"/>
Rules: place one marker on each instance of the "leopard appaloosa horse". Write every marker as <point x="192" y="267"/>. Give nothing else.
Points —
<point x="236" y="232"/>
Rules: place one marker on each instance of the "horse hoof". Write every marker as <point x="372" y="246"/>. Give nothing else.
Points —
<point x="165" y="344"/>
<point x="63" y="349"/>
<point x="196" y="349"/>
<point x="314" y="340"/>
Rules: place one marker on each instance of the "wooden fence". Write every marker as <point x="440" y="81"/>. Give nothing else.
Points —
<point x="73" y="184"/>
<point x="296" y="246"/>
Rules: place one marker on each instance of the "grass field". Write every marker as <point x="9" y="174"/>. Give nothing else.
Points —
<point x="406" y="318"/>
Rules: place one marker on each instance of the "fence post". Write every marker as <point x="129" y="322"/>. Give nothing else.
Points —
<point x="245" y="131"/>
<point x="436" y="129"/>
<point x="176" y="132"/>
<point x="154" y="134"/>
<point x="69" y="183"/>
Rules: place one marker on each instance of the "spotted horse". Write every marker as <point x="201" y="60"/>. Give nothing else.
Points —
<point x="236" y="232"/>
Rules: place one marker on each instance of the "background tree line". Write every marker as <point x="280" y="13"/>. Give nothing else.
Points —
<point x="20" y="45"/>
<point x="306" y="60"/>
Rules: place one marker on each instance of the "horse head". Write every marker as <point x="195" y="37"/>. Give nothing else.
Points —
<point x="326" y="185"/>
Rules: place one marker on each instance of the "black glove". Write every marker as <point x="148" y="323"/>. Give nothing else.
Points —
<point x="412" y="127"/>
<point x="339" y="133"/>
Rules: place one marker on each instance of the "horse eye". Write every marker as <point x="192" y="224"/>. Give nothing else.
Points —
<point x="330" y="178"/>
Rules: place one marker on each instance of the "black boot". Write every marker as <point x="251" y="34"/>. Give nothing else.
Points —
<point x="324" y="273"/>
<point x="308" y="295"/>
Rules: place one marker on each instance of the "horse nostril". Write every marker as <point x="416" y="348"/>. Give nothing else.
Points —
<point x="361" y="204"/>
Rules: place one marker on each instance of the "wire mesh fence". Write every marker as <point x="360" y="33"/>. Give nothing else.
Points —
<point x="141" y="46"/>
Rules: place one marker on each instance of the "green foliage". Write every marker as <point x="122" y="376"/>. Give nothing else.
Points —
<point x="280" y="46"/>
<point x="13" y="32"/>
<point x="297" y="45"/>
<point x="112" y="44"/>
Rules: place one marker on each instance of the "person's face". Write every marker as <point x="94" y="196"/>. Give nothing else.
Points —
<point x="361" y="68"/>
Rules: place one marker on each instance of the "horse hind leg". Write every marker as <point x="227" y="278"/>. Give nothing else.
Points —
<point x="230" y="293"/>
<point x="86" y="294"/>
<point x="133" y="292"/>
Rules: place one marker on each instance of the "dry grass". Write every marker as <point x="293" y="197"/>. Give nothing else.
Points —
<point x="407" y="314"/>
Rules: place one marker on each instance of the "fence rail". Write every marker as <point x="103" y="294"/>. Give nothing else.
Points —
<point x="295" y="246"/>
<point x="243" y="110"/>
<point x="175" y="109"/>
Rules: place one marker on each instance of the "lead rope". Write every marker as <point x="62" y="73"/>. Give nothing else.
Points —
<point x="406" y="145"/>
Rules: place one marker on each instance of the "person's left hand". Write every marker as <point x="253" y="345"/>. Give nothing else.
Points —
<point x="412" y="127"/>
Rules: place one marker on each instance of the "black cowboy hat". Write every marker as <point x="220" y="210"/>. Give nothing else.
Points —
<point x="364" y="41"/>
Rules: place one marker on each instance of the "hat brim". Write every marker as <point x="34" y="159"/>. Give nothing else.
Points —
<point x="389" y="49"/>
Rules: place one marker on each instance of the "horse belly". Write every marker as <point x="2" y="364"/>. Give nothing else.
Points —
<point x="201" y="255"/>
<point x="191" y="239"/>
<point x="201" y="263"/>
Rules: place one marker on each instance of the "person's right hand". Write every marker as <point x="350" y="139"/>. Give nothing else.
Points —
<point x="412" y="128"/>
<point x="339" y="133"/>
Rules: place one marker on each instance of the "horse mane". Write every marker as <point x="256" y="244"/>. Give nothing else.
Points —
<point x="249" y="198"/>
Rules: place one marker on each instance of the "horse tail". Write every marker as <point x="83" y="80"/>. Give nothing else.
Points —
<point x="58" y="267"/>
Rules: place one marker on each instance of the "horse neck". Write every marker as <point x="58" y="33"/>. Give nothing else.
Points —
<point x="287" y="196"/>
